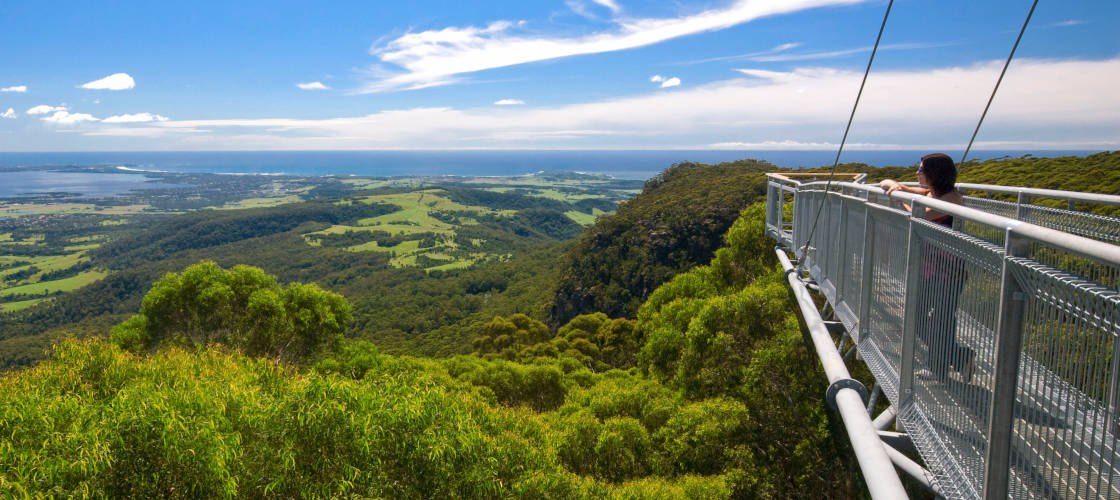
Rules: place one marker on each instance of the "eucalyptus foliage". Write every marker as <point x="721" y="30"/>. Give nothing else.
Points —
<point x="243" y="307"/>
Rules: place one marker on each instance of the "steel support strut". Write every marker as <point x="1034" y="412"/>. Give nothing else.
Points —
<point x="874" y="462"/>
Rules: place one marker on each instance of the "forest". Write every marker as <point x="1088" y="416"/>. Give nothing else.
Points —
<point x="653" y="354"/>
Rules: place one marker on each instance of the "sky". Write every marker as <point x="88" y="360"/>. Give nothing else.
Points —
<point x="554" y="74"/>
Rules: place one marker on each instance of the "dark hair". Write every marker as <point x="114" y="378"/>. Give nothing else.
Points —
<point x="941" y="173"/>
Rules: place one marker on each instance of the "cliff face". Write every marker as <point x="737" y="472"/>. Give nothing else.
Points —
<point x="676" y="223"/>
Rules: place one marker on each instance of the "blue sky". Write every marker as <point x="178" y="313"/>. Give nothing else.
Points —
<point x="563" y="74"/>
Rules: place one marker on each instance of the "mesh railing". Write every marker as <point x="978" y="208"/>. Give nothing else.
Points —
<point x="998" y="341"/>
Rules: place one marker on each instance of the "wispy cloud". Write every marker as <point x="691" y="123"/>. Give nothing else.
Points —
<point x="509" y="102"/>
<point x="1038" y="105"/>
<point x="439" y="57"/>
<point x="43" y="109"/>
<point x="115" y="81"/>
<point x="780" y="54"/>
<point x="610" y="4"/>
<point x="312" y="86"/>
<point x="10" y="113"/>
<point x="135" y="118"/>
<point x="840" y="53"/>
<point x="1071" y="22"/>
<point x="68" y="118"/>
<point x="15" y="88"/>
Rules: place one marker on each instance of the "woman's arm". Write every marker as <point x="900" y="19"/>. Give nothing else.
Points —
<point x="891" y="185"/>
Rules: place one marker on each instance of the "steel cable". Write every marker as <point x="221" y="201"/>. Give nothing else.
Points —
<point x="832" y="172"/>
<point x="998" y="81"/>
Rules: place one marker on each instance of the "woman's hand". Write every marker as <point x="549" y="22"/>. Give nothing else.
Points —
<point x="890" y="185"/>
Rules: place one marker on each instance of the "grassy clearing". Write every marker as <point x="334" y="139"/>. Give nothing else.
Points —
<point x="29" y="209"/>
<point x="583" y="219"/>
<point x="81" y="248"/>
<point x="46" y="263"/>
<point x="20" y="305"/>
<point x="63" y="285"/>
<point x="260" y="202"/>
<point x="360" y="183"/>
<point x="553" y="194"/>
<point x="88" y="239"/>
<point x="415" y="213"/>
<point x="459" y="264"/>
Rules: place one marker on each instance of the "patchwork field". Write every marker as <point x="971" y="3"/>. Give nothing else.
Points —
<point x="415" y="218"/>
<point x="26" y="280"/>
<point x="32" y="209"/>
<point x="440" y="223"/>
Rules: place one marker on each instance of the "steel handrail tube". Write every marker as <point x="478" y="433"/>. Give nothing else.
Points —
<point x="875" y="463"/>
<point x="1079" y="245"/>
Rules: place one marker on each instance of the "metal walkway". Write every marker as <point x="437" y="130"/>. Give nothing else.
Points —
<point x="997" y="341"/>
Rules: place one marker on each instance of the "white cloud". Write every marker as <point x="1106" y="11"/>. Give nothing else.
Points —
<point x="665" y="82"/>
<point x="43" y="109"/>
<point x="1071" y="22"/>
<point x="10" y="113"/>
<point x="68" y="118"/>
<point x="610" y="4"/>
<point x="509" y="102"/>
<point x="1038" y="106"/>
<point x="312" y="86"/>
<point x="15" y="88"/>
<point x="135" y="118"/>
<point x="580" y="8"/>
<point x="115" y="81"/>
<point x="438" y="57"/>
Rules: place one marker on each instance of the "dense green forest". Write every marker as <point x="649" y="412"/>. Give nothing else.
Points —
<point x="192" y="398"/>
<point x="329" y="348"/>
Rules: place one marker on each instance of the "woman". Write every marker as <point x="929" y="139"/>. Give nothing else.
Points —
<point x="943" y="274"/>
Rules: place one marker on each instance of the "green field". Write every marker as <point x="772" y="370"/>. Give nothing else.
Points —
<point x="584" y="219"/>
<point x="19" y="306"/>
<point x="260" y="202"/>
<point x="63" y="285"/>
<point x="27" y="209"/>
<point x="414" y="217"/>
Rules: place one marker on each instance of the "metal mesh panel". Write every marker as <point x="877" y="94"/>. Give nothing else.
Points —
<point x="881" y="342"/>
<point x="1065" y="434"/>
<point x="851" y="265"/>
<point x="1097" y="227"/>
<point x="997" y="207"/>
<point x="957" y="301"/>
<point x="1104" y="275"/>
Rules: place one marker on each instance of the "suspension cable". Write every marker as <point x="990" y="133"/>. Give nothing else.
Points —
<point x="1001" y="73"/>
<point x="851" y="116"/>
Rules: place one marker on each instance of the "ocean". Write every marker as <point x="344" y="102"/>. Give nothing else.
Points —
<point x="637" y="164"/>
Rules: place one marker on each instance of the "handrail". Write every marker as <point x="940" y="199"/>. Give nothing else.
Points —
<point x="1056" y="194"/>
<point x="1021" y="301"/>
<point x="1080" y="245"/>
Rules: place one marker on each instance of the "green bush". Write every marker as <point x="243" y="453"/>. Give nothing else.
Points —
<point x="242" y="307"/>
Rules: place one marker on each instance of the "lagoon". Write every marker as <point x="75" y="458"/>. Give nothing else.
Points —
<point x="25" y="183"/>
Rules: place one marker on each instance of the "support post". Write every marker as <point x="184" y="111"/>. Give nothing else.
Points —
<point x="1008" y="343"/>
<point x="861" y="329"/>
<point x="1020" y="205"/>
<point x="910" y="324"/>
